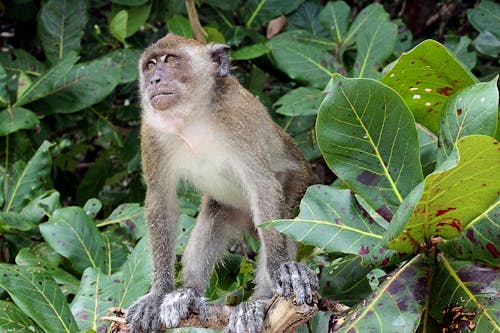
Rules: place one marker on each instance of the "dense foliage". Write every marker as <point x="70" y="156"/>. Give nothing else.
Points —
<point x="407" y="234"/>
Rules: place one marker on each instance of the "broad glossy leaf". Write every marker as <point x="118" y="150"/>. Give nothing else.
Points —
<point x="369" y="17"/>
<point x="486" y="17"/>
<point x="460" y="47"/>
<point x="345" y="281"/>
<point x="38" y="295"/>
<point x="180" y="25"/>
<point x="472" y="110"/>
<point x="335" y="18"/>
<point x="84" y="85"/>
<point x="303" y="101"/>
<point x="332" y="220"/>
<point x="126" y="60"/>
<point x="186" y="224"/>
<point x="468" y="284"/>
<point x="12" y="319"/>
<point x="4" y="96"/>
<point x="61" y="25"/>
<point x="487" y="43"/>
<point x="18" y="60"/>
<point x="450" y="198"/>
<point x="306" y="18"/>
<point x="15" y="119"/>
<point x="301" y="59"/>
<point x="24" y="185"/>
<point x="259" y="12"/>
<point x="130" y="216"/>
<point x="479" y="241"/>
<point x="428" y="142"/>
<point x="74" y="235"/>
<point x="425" y="77"/>
<point x="396" y="306"/>
<point x="118" y="25"/>
<point x="374" y="46"/>
<point x="368" y="138"/>
<point x="137" y="17"/>
<point x="249" y="52"/>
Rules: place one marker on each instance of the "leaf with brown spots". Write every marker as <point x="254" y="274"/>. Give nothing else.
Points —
<point x="425" y="77"/>
<point x="447" y="200"/>
<point x="471" y="286"/>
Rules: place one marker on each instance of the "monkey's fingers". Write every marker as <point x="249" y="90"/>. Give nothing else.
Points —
<point x="247" y="317"/>
<point x="142" y="316"/>
<point x="296" y="278"/>
<point x="177" y="305"/>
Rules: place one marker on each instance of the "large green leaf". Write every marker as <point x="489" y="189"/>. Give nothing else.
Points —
<point x="450" y="198"/>
<point x="331" y="219"/>
<point x="259" y="12"/>
<point x="486" y="17"/>
<point x="128" y="21"/>
<point x="84" y="85"/>
<point x="126" y="60"/>
<point x="425" y="77"/>
<point x="335" y="18"/>
<point x="15" y="119"/>
<point x="302" y="59"/>
<point x="474" y="286"/>
<point x="302" y="101"/>
<point x="428" y="142"/>
<point x="374" y="46"/>
<point x="12" y="319"/>
<point x="396" y="306"/>
<point x="368" y="138"/>
<point x="18" y="60"/>
<point x="4" y="96"/>
<point x="61" y="25"/>
<point x="21" y="187"/>
<point x="38" y="295"/>
<point x="130" y="216"/>
<point x="479" y="241"/>
<point x="73" y="234"/>
<point x="472" y="110"/>
<point x="367" y="18"/>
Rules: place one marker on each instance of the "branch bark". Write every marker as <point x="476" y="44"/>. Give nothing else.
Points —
<point x="282" y="316"/>
<point x="198" y="32"/>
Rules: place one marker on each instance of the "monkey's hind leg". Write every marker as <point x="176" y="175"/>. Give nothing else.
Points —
<point x="215" y="226"/>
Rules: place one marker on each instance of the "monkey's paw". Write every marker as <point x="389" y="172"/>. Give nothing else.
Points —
<point x="295" y="278"/>
<point x="178" y="304"/>
<point x="247" y="317"/>
<point x="143" y="315"/>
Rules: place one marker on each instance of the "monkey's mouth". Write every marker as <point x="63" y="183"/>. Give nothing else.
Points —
<point x="162" y="101"/>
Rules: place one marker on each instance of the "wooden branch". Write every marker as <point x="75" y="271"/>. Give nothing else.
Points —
<point x="198" y="32"/>
<point x="282" y="316"/>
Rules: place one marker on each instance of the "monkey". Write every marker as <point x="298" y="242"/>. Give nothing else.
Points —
<point x="200" y="125"/>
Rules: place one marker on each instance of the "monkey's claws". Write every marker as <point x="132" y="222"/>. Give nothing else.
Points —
<point x="247" y="317"/>
<point x="178" y="304"/>
<point x="143" y="316"/>
<point x="295" y="278"/>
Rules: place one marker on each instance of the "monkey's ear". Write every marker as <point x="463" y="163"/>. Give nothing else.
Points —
<point x="220" y="55"/>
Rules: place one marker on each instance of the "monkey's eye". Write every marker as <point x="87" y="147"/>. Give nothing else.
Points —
<point x="168" y="58"/>
<point x="150" y="66"/>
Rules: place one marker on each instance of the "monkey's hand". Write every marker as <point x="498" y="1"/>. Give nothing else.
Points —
<point x="178" y="304"/>
<point x="295" y="278"/>
<point x="143" y="315"/>
<point x="247" y="317"/>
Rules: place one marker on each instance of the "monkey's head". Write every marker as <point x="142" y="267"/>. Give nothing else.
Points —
<point x="176" y="69"/>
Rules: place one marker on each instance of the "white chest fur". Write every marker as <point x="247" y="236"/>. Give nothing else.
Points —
<point x="199" y="154"/>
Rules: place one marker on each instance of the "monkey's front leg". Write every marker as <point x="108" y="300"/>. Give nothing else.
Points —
<point x="161" y="214"/>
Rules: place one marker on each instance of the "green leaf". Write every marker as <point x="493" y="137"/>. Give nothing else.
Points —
<point x="249" y="52"/>
<point x="425" y="77"/>
<point x="128" y="21"/>
<point x="428" y="143"/>
<point x="396" y="306"/>
<point x="130" y="216"/>
<point x="39" y="296"/>
<point x="450" y="198"/>
<point x="4" y="96"/>
<point x="306" y="18"/>
<point x="94" y="179"/>
<point x="61" y="27"/>
<point x="92" y="207"/>
<point x="85" y="85"/>
<point x="302" y="101"/>
<point x="48" y="82"/>
<point x="126" y="60"/>
<point x="479" y="241"/>
<point x="118" y="25"/>
<point x="302" y="60"/>
<point x="186" y="225"/>
<point x="179" y="25"/>
<point x="21" y="187"/>
<point x="130" y="3"/>
<point x="335" y="18"/>
<point x="74" y="235"/>
<point x="369" y="17"/>
<point x="374" y="46"/>
<point x="472" y="110"/>
<point x="487" y="43"/>
<point x="12" y="319"/>
<point x="259" y="12"/>
<point x="473" y="286"/>
<point x="18" y="60"/>
<point x="15" y="119"/>
<point x="370" y="141"/>
<point x="332" y="220"/>
<point x="486" y="17"/>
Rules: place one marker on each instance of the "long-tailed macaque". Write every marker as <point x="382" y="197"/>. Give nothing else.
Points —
<point x="200" y="125"/>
